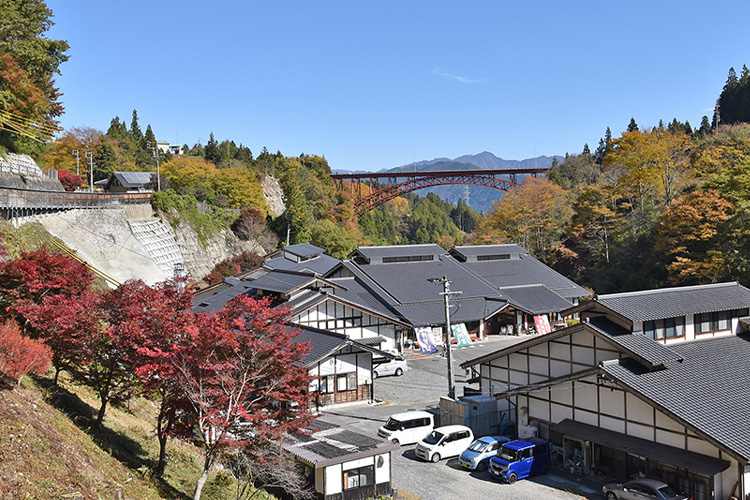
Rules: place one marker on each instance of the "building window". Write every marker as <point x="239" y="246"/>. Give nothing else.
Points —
<point x="716" y="321"/>
<point x="359" y="477"/>
<point x="326" y="385"/>
<point x="661" y="329"/>
<point x="346" y="382"/>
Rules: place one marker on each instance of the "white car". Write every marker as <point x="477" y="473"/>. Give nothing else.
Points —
<point x="408" y="427"/>
<point x="396" y="366"/>
<point x="444" y="442"/>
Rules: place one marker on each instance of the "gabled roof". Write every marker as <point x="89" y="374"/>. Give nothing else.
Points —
<point x="133" y="180"/>
<point x="708" y="390"/>
<point x="324" y="343"/>
<point x="534" y="299"/>
<point x="376" y="254"/>
<point x="304" y="250"/>
<point x="646" y="351"/>
<point x="407" y="282"/>
<point x="461" y="311"/>
<point x="649" y="305"/>
<point x="469" y="253"/>
<point x="313" y="259"/>
<point x="520" y="268"/>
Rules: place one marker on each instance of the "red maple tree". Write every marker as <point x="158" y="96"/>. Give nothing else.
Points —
<point x="67" y="325"/>
<point x="20" y="355"/>
<point x="240" y="369"/>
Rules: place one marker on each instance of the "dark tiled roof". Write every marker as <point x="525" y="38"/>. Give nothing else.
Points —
<point x="408" y="282"/>
<point x="535" y="299"/>
<point x="463" y="311"/>
<point x="322" y="343"/>
<point x="522" y="271"/>
<point x="280" y="282"/>
<point x="467" y="251"/>
<point x="355" y="292"/>
<point x="304" y="250"/>
<point x="398" y="251"/>
<point x="709" y="390"/>
<point x="649" y="305"/>
<point x="319" y="265"/>
<point x="645" y="349"/>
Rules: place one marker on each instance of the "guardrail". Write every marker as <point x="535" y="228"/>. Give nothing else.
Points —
<point x="23" y="202"/>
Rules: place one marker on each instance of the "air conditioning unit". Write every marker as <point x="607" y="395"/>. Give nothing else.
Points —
<point x="527" y="431"/>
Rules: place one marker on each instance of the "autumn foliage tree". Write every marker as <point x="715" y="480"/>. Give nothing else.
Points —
<point x="69" y="180"/>
<point x="19" y="354"/>
<point x="241" y="372"/>
<point x="67" y="324"/>
<point x="689" y="238"/>
<point x="532" y="215"/>
<point x="36" y="275"/>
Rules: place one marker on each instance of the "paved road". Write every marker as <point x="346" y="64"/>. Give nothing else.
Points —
<point x="423" y="385"/>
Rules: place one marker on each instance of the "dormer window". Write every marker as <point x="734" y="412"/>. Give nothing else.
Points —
<point x="408" y="258"/>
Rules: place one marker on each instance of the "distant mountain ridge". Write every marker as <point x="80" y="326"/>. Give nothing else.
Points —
<point x="477" y="197"/>
<point x="484" y="161"/>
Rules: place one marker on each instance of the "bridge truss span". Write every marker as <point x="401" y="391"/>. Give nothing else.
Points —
<point x="384" y="187"/>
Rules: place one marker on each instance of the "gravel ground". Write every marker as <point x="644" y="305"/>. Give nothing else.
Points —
<point x="422" y="386"/>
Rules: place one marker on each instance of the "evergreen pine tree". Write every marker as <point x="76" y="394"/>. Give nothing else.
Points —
<point x="705" y="126"/>
<point x="135" y="129"/>
<point x="586" y="151"/>
<point x="211" y="151"/>
<point x="149" y="140"/>
<point x="605" y="145"/>
<point x="632" y="126"/>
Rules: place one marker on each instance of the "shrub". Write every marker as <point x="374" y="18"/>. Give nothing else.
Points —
<point x="20" y="355"/>
<point x="69" y="180"/>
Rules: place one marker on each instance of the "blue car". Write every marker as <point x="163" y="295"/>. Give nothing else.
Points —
<point x="521" y="458"/>
<point x="478" y="455"/>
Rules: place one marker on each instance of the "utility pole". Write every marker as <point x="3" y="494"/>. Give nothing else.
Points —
<point x="155" y="154"/>
<point x="78" y="158"/>
<point x="90" y="157"/>
<point x="446" y="293"/>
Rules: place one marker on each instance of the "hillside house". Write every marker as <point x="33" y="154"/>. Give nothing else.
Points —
<point x="129" y="182"/>
<point x="342" y="462"/>
<point x="617" y="402"/>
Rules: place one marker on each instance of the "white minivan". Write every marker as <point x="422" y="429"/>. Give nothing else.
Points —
<point x="408" y="427"/>
<point x="444" y="442"/>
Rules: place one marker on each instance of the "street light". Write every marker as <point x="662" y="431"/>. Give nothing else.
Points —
<point x="446" y="293"/>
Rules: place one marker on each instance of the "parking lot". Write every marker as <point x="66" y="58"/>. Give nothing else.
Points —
<point x="422" y="386"/>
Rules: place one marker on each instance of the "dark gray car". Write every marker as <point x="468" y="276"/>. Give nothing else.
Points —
<point x="642" y="489"/>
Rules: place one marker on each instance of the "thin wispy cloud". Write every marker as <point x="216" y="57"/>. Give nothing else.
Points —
<point x="458" y="78"/>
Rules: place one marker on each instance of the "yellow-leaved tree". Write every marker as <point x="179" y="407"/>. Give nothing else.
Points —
<point x="533" y="215"/>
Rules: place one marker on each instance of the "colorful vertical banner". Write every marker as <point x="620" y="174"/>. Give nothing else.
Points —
<point x="424" y="336"/>
<point x="542" y="324"/>
<point x="461" y="334"/>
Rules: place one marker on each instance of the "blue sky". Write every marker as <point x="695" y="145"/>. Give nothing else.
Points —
<point x="380" y="83"/>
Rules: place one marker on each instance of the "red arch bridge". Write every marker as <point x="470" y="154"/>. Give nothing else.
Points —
<point x="384" y="186"/>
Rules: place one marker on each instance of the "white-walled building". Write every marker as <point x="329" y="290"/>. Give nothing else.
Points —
<point x="342" y="462"/>
<point x="622" y="403"/>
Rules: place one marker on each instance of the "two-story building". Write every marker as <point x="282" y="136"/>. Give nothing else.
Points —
<point x="652" y="382"/>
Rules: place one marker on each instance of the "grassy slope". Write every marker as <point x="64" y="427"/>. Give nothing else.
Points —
<point x="47" y="449"/>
